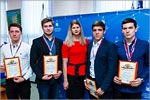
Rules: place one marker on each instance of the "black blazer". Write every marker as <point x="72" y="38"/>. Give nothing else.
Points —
<point x="105" y="64"/>
<point x="38" y="49"/>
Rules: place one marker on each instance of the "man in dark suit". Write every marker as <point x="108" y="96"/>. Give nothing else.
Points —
<point x="50" y="46"/>
<point x="101" y="63"/>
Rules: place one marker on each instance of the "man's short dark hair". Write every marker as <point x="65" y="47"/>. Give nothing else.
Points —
<point x="98" y="23"/>
<point x="45" y="20"/>
<point x="15" y="25"/>
<point x="129" y="20"/>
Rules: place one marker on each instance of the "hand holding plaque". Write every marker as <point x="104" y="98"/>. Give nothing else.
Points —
<point x="12" y="66"/>
<point x="127" y="71"/>
<point x="50" y="64"/>
<point x="92" y="86"/>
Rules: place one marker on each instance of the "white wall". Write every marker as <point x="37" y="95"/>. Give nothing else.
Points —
<point x="72" y="7"/>
<point x="13" y="4"/>
<point x="60" y="7"/>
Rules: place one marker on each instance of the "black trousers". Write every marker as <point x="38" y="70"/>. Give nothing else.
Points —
<point x="18" y="90"/>
<point x="124" y="95"/>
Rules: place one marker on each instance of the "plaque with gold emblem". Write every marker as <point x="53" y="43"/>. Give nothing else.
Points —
<point x="50" y="64"/>
<point x="12" y="66"/>
<point x="127" y="71"/>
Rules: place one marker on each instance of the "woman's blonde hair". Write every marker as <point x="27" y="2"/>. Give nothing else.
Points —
<point x="69" y="39"/>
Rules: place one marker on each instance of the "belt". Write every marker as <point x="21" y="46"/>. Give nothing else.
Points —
<point x="77" y="67"/>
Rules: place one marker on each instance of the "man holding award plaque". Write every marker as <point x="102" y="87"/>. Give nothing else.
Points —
<point x="46" y="61"/>
<point x="15" y="57"/>
<point x="133" y="66"/>
<point x="101" y="64"/>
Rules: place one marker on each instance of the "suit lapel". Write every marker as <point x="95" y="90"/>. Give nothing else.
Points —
<point x="89" y="49"/>
<point x="101" y="47"/>
<point x="43" y="44"/>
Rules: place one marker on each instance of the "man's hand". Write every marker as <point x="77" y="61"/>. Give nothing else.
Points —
<point x="117" y="80"/>
<point x="18" y="79"/>
<point x="86" y="85"/>
<point x="47" y="77"/>
<point x="136" y="83"/>
<point x="99" y="92"/>
<point x="57" y="75"/>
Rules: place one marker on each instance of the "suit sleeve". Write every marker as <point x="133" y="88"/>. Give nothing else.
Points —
<point x="34" y="60"/>
<point x="146" y="65"/>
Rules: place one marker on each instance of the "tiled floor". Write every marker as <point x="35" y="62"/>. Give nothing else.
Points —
<point x="34" y="92"/>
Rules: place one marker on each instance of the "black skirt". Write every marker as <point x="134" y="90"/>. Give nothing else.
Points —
<point x="76" y="87"/>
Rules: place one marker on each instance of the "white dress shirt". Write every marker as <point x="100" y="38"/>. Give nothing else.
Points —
<point x="93" y="55"/>
<point x="9" y="50"/>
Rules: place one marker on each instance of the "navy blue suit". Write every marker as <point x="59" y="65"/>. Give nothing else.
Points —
<point x="105" y="65"/>
<point x="140" y="55"/>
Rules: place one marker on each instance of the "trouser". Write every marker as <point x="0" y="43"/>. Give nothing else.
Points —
<point x="124" y="95"/>
<point x="18" y="90"/>
<point x="48" y="89"/>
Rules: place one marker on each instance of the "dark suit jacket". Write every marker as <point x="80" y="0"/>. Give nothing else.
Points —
<point x="105" y="64"/>
<point x="38" y="49"/>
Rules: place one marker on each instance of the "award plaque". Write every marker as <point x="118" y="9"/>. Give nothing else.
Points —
<point x="92" y="86"/>
<point x="12" y="66"/>
<point x="50" y="64"/>
<point x="127" y="71"/>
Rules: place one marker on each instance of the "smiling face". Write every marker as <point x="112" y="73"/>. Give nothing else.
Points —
<point x="15" y="34"/>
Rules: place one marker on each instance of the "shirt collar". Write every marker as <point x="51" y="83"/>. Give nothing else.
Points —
<point x="51" y="39"/>
<point x="98" y="43"/>
<point x="131" y="42"/>
<point x="15" y="45"/>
